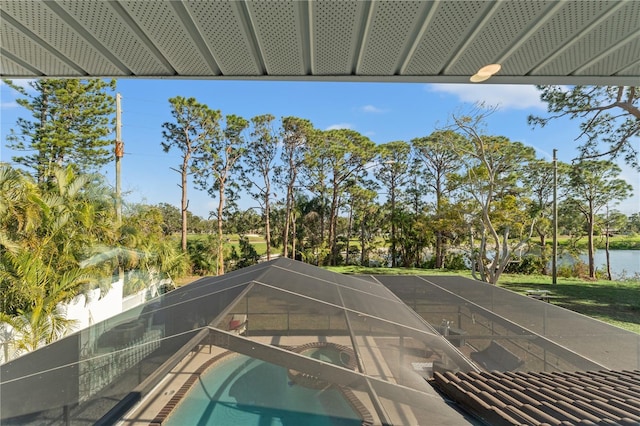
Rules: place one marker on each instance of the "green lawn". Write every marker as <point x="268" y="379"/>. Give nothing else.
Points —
<point x="614" y="302"/>
<point x="257" y="242"/>
<point x="618" y="242"/>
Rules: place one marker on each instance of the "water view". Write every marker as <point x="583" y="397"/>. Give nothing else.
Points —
<point x="624" y="263"/>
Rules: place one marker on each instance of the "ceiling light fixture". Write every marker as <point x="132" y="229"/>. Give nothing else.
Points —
<point x="485" y="73"/>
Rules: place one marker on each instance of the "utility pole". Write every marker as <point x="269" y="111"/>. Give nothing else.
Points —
<point x="554" y="256"/>
<point x="119" y="154"/>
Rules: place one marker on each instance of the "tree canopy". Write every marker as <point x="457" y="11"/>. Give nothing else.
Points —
<point x="70" y="125"/>
<point x="609" y="118"/>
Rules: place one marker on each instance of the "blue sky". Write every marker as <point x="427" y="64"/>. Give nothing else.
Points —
<point x="382" y="111"/>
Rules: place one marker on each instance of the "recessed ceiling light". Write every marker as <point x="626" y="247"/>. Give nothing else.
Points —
<point x="489" y="69"/>
<point x="485" y="73"/>
<point x="477" y="78"/>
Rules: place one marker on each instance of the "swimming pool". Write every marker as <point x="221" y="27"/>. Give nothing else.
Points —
<point x="330" y="355"/>
<point x="240" y="390"/>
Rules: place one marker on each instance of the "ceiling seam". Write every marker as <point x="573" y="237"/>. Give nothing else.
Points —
<point x="20" y="62"/>
<point x="306" y="37"/>
<point x="191" y="28"/>
<point x="36" y="39"/>
<point x="631" y="65"/>
<point x="410" y="50"/>
<point x="135" y="28"/>
<point x="577" y="37"/>
<point x="607" y="52"/>
<point x="470" y="37"/>
<point x="87" y="36"/>
<point x="364" y="26"/>
<point x="548" y="14"/>
<point x="249" y="31"/>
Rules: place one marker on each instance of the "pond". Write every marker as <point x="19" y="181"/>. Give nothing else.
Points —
<point x="624" y="263"/>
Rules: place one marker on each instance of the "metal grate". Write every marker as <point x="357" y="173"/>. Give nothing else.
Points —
<point x="14" y="40"/>
<point x="335" y="26"/>
<point x="160" y="23"/>
<point x="44" y="23"/>
<point x="561" y="31"/>
<point x="8" y="66"/>
<point x="508" y="22"/>
<point x="389" y="34"/>
<point x="602" y="38"/>
<point x="278" y="32"/>
<point x="447" y="31"/>
<point x="225" y="33"/>
<point x="105" y="25"/>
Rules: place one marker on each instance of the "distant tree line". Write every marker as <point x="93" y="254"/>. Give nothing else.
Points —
<point x="455" y="194"/>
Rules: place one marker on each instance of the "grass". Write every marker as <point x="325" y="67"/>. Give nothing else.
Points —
<point x="614" y="302"/>
<point x="617" y="242"/>
<point x="232" y="240"/>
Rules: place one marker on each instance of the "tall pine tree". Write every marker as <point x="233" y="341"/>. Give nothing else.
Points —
<point x="70" y="123"/>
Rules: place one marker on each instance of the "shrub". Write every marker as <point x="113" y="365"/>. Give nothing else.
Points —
<point x="577" y="269"/>
<point x="528" y="265"/>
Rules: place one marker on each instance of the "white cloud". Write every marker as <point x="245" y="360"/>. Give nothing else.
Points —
<point x="8" y="105"/>
<point x="340" y="126"/>
<point x="372" y="109"/>
<point x="505" y="96"/>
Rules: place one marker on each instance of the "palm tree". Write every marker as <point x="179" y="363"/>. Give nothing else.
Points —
<point x="40" y="289"/>
<point x="41" y="239"/>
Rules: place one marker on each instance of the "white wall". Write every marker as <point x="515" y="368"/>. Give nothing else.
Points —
<point x="86" y="311"/>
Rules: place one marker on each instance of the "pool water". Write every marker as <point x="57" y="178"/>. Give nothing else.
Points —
<point x="245" y="391"/>
<point x="328" y="354"/>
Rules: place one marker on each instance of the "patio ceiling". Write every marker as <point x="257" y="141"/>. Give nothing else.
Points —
<point x="535" y="42"/>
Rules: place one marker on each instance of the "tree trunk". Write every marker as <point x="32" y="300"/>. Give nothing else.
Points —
<point x="287" y="223"/>
<point x="439" y="237"/>
<point x="220" y="266"/>
<point x="293" y="237"/>
<point x="592" y="267"/>
<point x="184" y="204"/>
<point x="333" y="220"/>
<point x="267" y="220"/>
<point x="346" y="259"/>
<point x="439" y="264"/>
<point x="394" y="254"/>
<point x="543" y="253"/>
<point x="362" y="243"/>
<point x="606" y="248"/>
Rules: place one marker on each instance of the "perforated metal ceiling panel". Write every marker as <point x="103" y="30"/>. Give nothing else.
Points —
<point x="542" y="41"/>
<point x="221" y="26"/>
<point x="503" y="24"/>
<point x="112" y="32"/>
